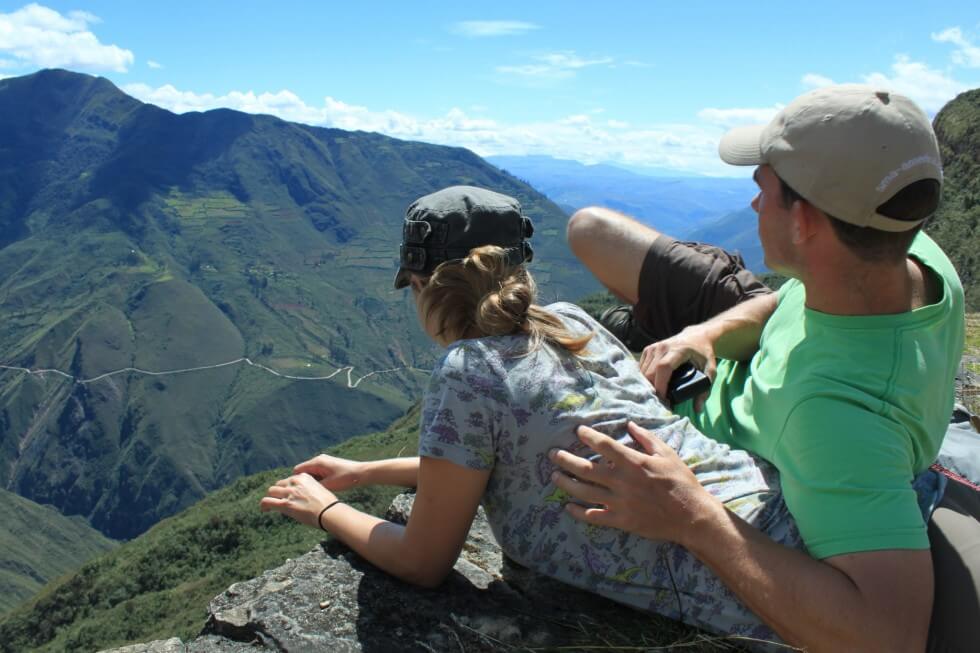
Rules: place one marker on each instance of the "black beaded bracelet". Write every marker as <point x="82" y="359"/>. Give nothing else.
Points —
<point x="319" y="519"/>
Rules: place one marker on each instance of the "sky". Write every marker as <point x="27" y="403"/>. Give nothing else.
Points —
<point x="651" y="83"/>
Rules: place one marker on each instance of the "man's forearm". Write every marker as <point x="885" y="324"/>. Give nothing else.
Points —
<point x="812" y="603"/>
<point x="736" y="332"/>
<point x="402" y="472"/>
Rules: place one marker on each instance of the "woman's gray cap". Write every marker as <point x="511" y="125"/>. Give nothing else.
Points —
<point x="447" y="224"/>
<point x="847" y="149"/>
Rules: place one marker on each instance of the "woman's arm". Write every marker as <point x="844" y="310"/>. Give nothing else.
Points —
<point x="341" y="474"/>
<point x="422" y="552"/>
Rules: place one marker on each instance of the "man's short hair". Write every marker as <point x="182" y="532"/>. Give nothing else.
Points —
<point x="914" y="203"/>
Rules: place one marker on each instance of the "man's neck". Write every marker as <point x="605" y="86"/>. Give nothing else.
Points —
<point x="870" y="289"/>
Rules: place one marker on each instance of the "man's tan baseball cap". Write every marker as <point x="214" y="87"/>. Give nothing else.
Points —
<point x="846" y="149"/>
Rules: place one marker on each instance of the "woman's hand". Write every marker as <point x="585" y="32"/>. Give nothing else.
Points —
<point x="300" y="497"/>
<point x="333" y="473"/>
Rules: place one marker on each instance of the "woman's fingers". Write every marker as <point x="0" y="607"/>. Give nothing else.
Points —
<point x="278" y="491"/>
<point x="309" y="466"/>
<point x="271" y="503"/>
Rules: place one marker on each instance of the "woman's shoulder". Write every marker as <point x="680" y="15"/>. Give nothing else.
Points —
<point x="466" y="356"/>
<point x="572" y="315"/>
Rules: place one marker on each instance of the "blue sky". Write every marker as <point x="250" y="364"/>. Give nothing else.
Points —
<point x="642" y="83"/>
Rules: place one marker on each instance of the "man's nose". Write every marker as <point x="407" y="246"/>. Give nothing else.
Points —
<point x="755" y="202"/>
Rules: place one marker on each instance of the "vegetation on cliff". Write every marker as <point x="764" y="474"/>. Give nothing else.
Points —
<point x="956" y="226"/>
<point x="38" y="544"/>
<point x="158" y="585"/>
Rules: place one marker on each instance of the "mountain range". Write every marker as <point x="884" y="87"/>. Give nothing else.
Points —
<point x="131" y="237"/>
<point x="144" y="255"/>
<point x="675" y="205"/>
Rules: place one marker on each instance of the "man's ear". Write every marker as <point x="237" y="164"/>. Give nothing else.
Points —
<point x="804" y="221"/>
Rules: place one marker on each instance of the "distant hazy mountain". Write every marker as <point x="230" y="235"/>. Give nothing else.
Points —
<point x="131" y="237"/>
<point x="38" y="544"/>
<point x="674" y="205"/>
<point x="736" y="232"/>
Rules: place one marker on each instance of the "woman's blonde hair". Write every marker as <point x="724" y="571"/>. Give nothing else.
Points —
<point x="484" y="295"/>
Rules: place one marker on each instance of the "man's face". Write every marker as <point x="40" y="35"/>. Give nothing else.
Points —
<point x="775" y="224"/>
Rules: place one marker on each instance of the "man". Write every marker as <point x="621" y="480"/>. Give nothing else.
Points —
<point x="843" y="379"/>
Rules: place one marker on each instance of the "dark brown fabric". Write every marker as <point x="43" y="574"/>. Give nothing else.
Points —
<point x="684" y="283"/>
<point x="954" y="534"/>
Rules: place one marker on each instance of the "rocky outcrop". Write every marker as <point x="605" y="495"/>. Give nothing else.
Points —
<point x="331" y="600"/>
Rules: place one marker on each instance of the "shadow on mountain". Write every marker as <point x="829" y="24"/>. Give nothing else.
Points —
<point x="160" y="150"/>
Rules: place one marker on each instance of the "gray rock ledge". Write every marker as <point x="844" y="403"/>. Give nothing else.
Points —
<point x="332" y="600"/>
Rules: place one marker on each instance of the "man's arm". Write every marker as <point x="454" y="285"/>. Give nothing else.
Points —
<point x="858" y="602"/>
<point x="733" y="334"/>
<point x="873" y="601"/>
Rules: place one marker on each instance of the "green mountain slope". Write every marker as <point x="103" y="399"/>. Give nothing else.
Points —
<point x="37" y="545"/>
<point x="131" y="237"/>
<point x="956" y="226"/>
<point x="159" y="584"/>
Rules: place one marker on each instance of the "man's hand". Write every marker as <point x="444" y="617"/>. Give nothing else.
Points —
<point x="872" y="601"/>
<point x="332" y="472"/>
<point x="300" y="497"/>
<point x="652" y="494"/>
<point x="659" y="360"/>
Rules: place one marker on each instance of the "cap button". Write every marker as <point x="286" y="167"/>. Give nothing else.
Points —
<point x="883" y="96"/>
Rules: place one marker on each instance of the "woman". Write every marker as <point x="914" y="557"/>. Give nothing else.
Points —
<point x="515" y="383"/>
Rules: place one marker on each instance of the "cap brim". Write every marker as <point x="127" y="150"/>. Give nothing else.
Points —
<point x="402" y="278"/>
<point x="742" y="146"/>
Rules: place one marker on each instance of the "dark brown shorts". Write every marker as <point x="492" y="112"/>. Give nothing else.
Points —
<point x="685" y="283"/>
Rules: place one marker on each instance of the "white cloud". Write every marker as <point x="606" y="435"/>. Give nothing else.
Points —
<point x="812" y="80"/>
<point x="732" y="117"/>
<point x="692" y="148"/>
<point x="153" y="64"/>
<point x="967" y="54"/>
<point x="484" y="28"/>
<point x="579" y="119"/>
<point x="35" y="35"/>
<point x="928" y="87"/>
<point x="556" y="65"/>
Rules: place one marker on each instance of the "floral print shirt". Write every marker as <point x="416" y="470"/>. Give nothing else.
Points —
<point x="490" y="405"/>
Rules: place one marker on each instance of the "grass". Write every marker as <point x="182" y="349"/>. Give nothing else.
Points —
<point x="159" y="585"/>
<point x="38" y="544"/>
<point x="971" y="361"/>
